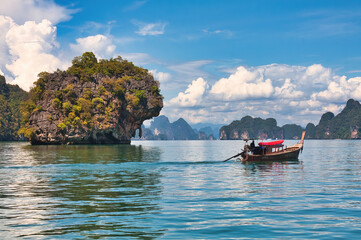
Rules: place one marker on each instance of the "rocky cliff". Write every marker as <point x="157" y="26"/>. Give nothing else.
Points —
<point x="93" y="102"/>
<point x="183" y="131"/>
<point x="11" y="97"/>
<point x="249" y="127"/>
<point x="345" y="125"/>
<point x="161" y="129"/>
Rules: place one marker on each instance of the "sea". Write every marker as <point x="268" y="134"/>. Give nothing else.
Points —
<point x="178" y="190"/>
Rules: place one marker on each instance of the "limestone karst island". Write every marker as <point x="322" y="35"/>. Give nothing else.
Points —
<point x="93" y="102"/>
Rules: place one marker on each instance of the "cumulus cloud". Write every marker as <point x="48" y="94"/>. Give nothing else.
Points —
<point x="242" y="85"/>
<point x="317" y="75"/>
<point x="28" y="43"/>
<point x="287" y="90"/>
<point x="162" y="77"/>
<point x="192" y="96"/>
<point x="274" y="80"/>
<point x="150" y="28"/>
<point x="5" y="24"/>
<point x="100" y="45"/>
<point x="35" y="10"/>
<point x="289" y="93"/>
<point x="30" y="46"/>
<point x="341" y="89"/>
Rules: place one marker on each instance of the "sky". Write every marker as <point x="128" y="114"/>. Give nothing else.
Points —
<point x="216" y="61"/>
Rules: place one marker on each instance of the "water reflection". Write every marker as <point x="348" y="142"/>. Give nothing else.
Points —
<point x="92" y="154"/>
<point x="178" y="190"/>
<point x="272" y="166"/>
<point x="97" y="191"/>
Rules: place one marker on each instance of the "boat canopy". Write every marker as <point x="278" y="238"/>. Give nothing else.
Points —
<point x="271" y="143"/>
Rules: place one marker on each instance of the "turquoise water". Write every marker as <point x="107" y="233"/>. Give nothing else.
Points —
<point x="178" y="190"/>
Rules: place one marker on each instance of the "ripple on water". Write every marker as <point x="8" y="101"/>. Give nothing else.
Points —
<point x="178" y="189"/>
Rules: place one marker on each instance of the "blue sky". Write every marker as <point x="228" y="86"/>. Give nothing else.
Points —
<point x="216" y="61"/>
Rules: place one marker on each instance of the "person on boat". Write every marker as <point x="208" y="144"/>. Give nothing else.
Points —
<point x="252" y="145"/>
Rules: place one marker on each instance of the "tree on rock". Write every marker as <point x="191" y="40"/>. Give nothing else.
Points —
<point x="103" y="101"/>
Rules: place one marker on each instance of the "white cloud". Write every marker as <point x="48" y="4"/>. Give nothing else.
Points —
<point x="332" y="108"/>
<point x="242" y="85"/>
<point x="299" y="94"/>
<point x="192" y="96"/>
<point x="274" y="80"/>
<point x="5" y="24"/>
<point x="28" y="39"/>
<point x="35" y="10"/>
<point x="99" y="44"/>
<point x="287" y="90"/>
<point x="192" y="115"/>
<point x="30" y="46"/>
<point x="150" y="28"/>
<point x="162" y="77"/>
<point x="341" y="89"/>
<point x="316" y="74"/>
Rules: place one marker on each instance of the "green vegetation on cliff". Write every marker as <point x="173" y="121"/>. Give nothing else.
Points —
<point x="249" y="127"/>
<point x="87" y="65"/>
<point x="345" y="125"/>
<point x="291" y="131"/>
<point x="11" y="97"/>
<point x="93" y="101"/>
<point x="310" y="131"/>
<point x="182" y="130"/>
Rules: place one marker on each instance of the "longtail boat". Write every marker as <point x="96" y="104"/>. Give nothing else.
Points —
<point x="270" y="151"/>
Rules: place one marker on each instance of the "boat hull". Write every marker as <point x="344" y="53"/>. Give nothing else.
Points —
<point x="280" y="156"/>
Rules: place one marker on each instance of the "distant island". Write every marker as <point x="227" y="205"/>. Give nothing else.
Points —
<point x="345" y="125"/>
<point x="93" y="102"/>
<point x="106" y="101"/>
<point x="161" y="129"/>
